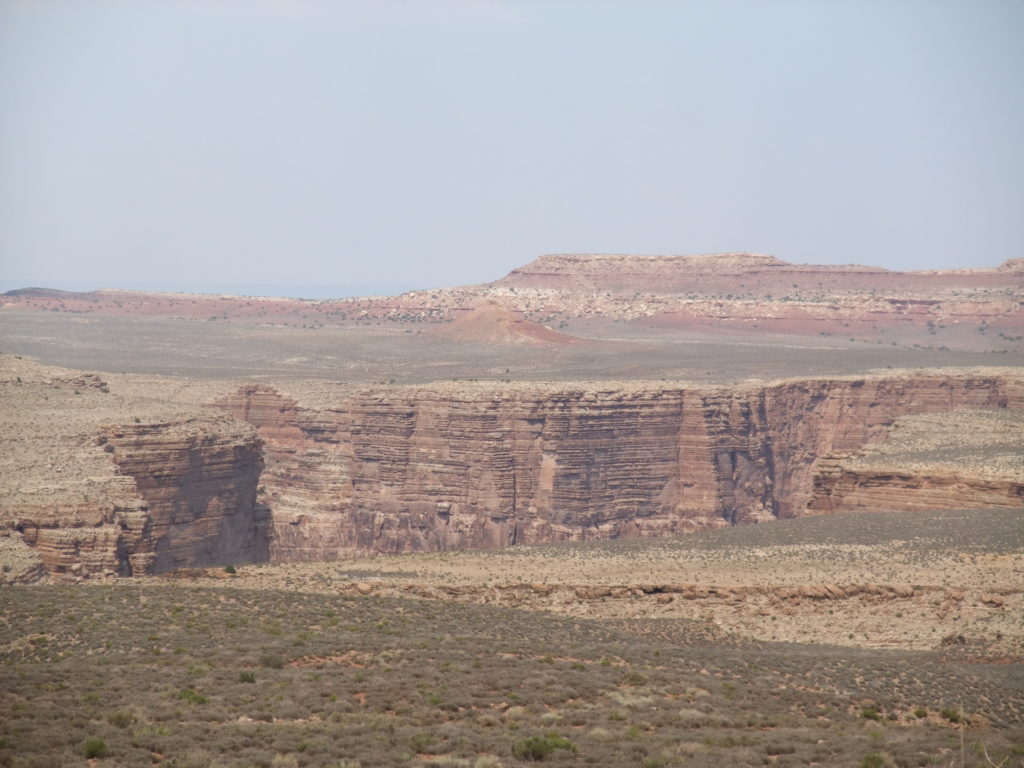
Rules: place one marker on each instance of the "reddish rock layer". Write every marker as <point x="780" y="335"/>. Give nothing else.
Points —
<point x="841" y="489"/>
<point x="198" y="482"/>
<point x="184" y="496"/>
<point x="81" y="498"/>
<point x="446" y="467"/>
<point x="722" y="272"/>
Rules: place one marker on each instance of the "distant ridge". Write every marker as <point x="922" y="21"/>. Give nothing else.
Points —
<point x="725" y="273"/>
<point x="42" y="293"/>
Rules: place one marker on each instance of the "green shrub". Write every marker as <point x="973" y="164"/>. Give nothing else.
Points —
<point x="874" y="760"/>
<point x="951" y="714"/>
<point x="94" y="748"/>
<point x="920" y="713"/>
<point x="192" y="697"/>
<point x="539" y="747"/>
<point x="246" y="677"/>
<point x="272" y="661"/>
<point x="230" y="569"/>
<point x="121" y="719"/>
<point x="870" y="713"/>
<point x="423" y="743"/>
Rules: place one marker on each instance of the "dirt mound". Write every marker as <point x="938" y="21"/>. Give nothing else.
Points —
<point x="495" y="324"/>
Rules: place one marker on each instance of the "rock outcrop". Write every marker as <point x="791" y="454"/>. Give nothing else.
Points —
<point x="721" y="272"/>
<point x="456" y="466"/>
<point x="953" y="459"/>
<point x="93" y="498"/>
<point x="183" y="495"/>
<point x="838" y="489"/>
<point x="444" y="466"/>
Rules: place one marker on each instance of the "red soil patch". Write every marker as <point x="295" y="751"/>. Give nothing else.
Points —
<point x="494" y="324"/>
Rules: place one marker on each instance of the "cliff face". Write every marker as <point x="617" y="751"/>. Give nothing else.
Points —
<point x="839" y="489"/>
<point x="449" y="466"/>
<point x="198" y="483"/>
<point x="91" y="499"/>
<point x="184" y="495"/>
<point x="955" y="459"/>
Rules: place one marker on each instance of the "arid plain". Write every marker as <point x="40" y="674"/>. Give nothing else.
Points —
<point x="607" y="510"/>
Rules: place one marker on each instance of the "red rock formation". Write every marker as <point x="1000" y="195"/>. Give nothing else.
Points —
<point x="965" y="458"/>
<point x="91" y="499"/>
<point x="198" y="481"/>
<point x="449" y="466"/>
<point x="724" y="272"/>
<point x="184" y="496"/>
<point x="841" y="489"/>
<point x="493" y="324"/>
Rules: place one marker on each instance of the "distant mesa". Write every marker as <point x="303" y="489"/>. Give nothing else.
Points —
<point x="495" y="324"/>
<point x="42" y="293"/>
<point x="620" y="272"/>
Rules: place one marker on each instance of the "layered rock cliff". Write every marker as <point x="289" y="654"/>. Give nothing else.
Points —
<point x="94" y="491"/>
<point x="93" y="498"/>
<point x="456" y="466"/>
<point x="956" y="459"/>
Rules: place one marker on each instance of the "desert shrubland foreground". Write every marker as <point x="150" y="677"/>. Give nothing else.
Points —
<point x="606" y="653"/>
<point x="171" y="674"/>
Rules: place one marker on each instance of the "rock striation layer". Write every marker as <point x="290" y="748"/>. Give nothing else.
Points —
<point x="965" y="459"/>
<point x="94" y="498"/>
<point x="840" y="489"/>
<point x="457" y="466"/>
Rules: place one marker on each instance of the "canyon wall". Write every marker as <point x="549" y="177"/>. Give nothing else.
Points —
<point x="465" y="465"/>
<point x="181" y="494"/>
<point x="968" y="458"/>
<point x="456" y="466"/>
<point x="844" y="489"/>
<point x="83" y="494"/>
<point x="198" y="483"/>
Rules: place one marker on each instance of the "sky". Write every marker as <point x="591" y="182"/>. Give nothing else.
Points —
<point x="314" y="146"/>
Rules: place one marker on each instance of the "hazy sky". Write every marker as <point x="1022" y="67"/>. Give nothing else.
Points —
<point x="430" y="143"/>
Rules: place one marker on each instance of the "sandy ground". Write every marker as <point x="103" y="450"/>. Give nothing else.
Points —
<point x="904" y="594"/>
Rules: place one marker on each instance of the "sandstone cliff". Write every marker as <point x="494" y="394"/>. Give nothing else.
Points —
<point x="965" y="459"/>
<point x="456" y="466"/>
<point x="94" y="498"/>
<point x="94" y="491"/>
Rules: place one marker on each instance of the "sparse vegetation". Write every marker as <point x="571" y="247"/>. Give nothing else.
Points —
<point x="951" y="713"/>
<point x="94" y="748"/>
<point x="540" y="747"/>
<point x="395" y="678"/>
